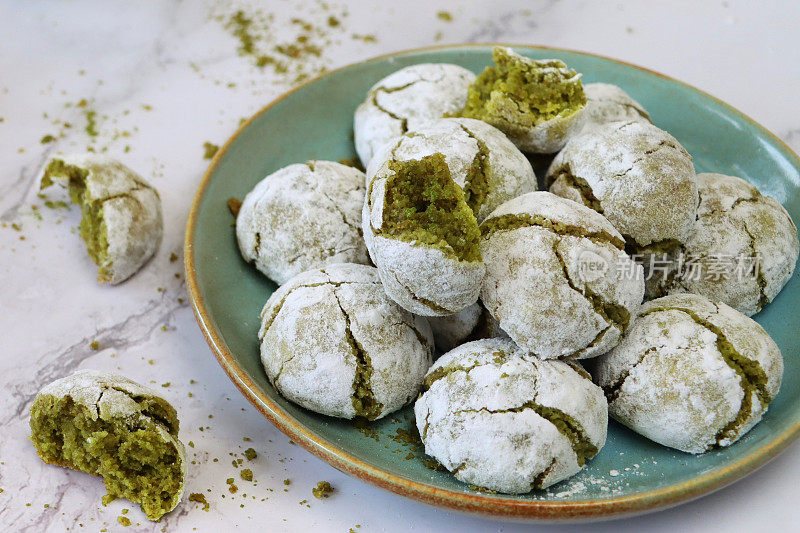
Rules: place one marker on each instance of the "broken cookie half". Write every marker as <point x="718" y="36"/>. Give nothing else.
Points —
<point x="109" y="426"/>
<point x="120" y="212"/>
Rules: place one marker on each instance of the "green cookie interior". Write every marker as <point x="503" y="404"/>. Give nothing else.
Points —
<point x="423" y="205"/>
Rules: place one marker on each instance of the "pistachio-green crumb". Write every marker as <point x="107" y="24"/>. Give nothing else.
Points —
<point x="210" y="150"/>
<point x="323" y="490"/>
<point x="520" y="93"/>
<point x="246" y="474"/>
<point x="423" y="205"/>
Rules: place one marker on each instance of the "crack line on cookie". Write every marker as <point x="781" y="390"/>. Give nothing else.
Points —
<point x="514" y="221"/>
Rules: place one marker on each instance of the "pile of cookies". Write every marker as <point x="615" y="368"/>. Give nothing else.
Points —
<point x="445" y="244"/>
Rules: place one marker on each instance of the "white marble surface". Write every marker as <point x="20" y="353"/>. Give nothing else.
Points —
<point x="157" y="74"/>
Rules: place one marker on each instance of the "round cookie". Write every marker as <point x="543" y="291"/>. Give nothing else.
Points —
<point x="405" y="100"/>
<point x="557" y="277"/>
<point x="743" y="251"/>
<point x="635" y="174"/>
<point x="691" y="374"/>
<point x="538" y="103"/>
<point x="106" y="425"/>
<point x="423" y="237"/>
<point x="332" y="342"/>
<point x="301" y="217"/>
<point x="482" y="161"/>
<point x="505" y="420"/>
<point x="472" y="323"/>
<point x="121" y="219"/>
<point x="609" y="103"/>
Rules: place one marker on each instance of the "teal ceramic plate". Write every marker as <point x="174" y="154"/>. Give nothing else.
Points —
<point x="630" y="475"/>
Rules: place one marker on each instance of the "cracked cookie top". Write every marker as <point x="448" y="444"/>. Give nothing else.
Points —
<point x="635" y="174"/>
<point x="303" y="216"/>
<point x="334" y="343"/>
<point x="405" y="100"/>
<point x="121" y="220"/>
<point x="482" y="161"/>
<point x="506" y="420"/>
<point x="691" y="374"/>
<point x="557" y="277"/>
<point x="743" y="251"/>
<point x="608" y="103"/>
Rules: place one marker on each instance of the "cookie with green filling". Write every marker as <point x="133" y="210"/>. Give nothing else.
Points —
<point x="503" y="419"/>
<point x="482" y="161"/>
<point x="423" y="236"/>
<point x="303" y="216"/>
<point x="691" y="374"/>
<point x="742" y="252"/>
<point x="538" y="103"/>
<point x="608" y="103"/>
<point x="121" y="221"/>
<point x="334" y="343"/>
<point x="636" y="175"/>
<point x="106" y="425"/>
<point x="405" y="100"/>
<point x="558" y="279"/>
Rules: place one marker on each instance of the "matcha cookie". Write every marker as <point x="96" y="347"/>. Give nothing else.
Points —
<point x="691" y="374"/>
<point x="109" y="426"/>
<point x="635" y="174"/>
<point x="538" y="103"/>
<point x="301" y="217"/>
<point x="407" y="99"/>
<point x="472" y="323"/>
<point x="743" y="250"/>
<point x="481" y="160"/>
<point x="120" y="212"/>
<point x="557" y="277"/>
<point x="505" y="420"/>
<point x="608" y="103"/>
<point x="332" y="342"/>
<point x="423" y="237"/>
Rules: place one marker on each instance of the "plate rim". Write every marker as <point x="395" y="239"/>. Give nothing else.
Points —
<point x="478" y="503"/>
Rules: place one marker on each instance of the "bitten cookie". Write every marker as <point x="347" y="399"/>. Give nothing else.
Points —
<point x="482" y="161"/>
<point x="423" y="237"/>
<point x="538" y="103"/>
<point x="609" y="103"/>
<point x="301" y="217"/>
<point x="332" y="342"/>
<point x="638" y="176"/>
<point x="557" y="277"/>
<point x="405" y="100"/>
<point x="109" y="426"/>
<point x="502" y="419"/>
<point x="120" y="212"/>
<point x="743" y="251"/>
<point x="691" y="374"/>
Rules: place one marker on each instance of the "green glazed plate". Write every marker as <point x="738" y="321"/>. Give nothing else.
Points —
<point x="631" y="474"/>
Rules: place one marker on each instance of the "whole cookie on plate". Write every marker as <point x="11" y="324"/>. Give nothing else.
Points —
<point x="334" y="343"/>
<point x="691" y="374"/>
<point x="538" y="103"/>
<point x="505" y="420"/>
<point x="423" y="237"/>
<point x="608" y="103"/>
<point x="635" y="174"/>
<point x="106" y="425"/>
<point x="120" y="212"/>
<point x="472" y="323"/>
<point x="557" y="277"/>
<point x="482" y="161"/>
<point x="407" y="99"/>
<point x="303" y="216"/>
<point x="743" y="251"/>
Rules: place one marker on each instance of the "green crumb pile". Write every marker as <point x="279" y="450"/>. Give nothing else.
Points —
<point x="134" y="459"/>
<point x="519" y="93"/>
<point x="423" y="205"/>
<point x="210" y="150"/>
<point x="246" y="474"/>
<point x="92" y="227"/>
<point x="323" y="490"/>
<point x="250" y="453"/>
<point x="199" y="498"/>
<point x="287" y="481"/>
